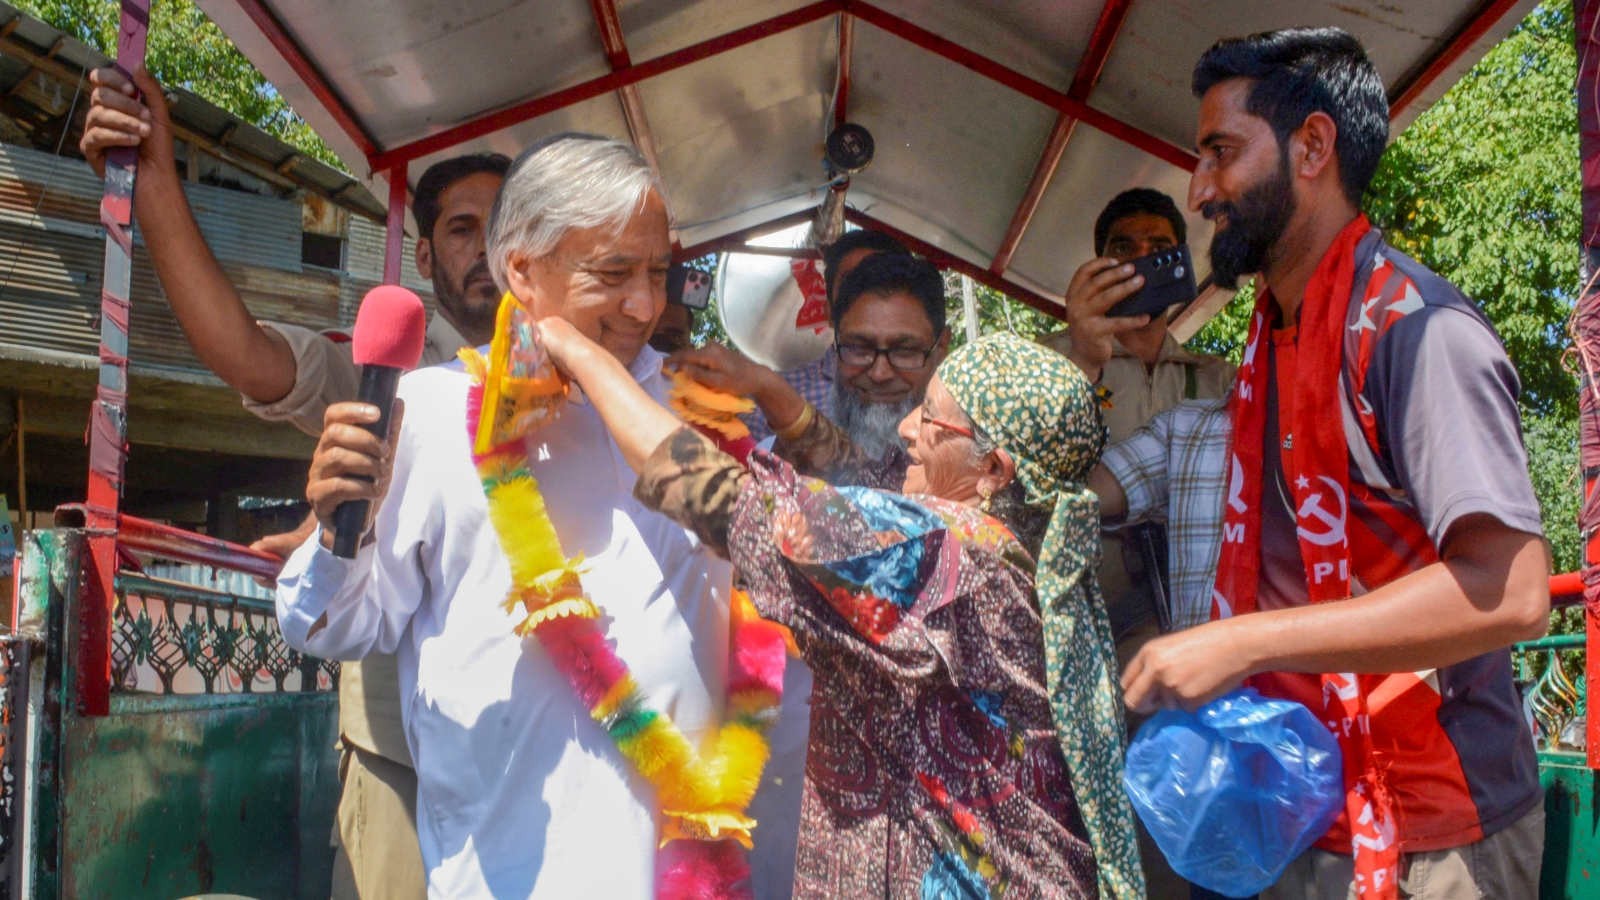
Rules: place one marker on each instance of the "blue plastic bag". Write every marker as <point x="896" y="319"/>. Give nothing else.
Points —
<point x="1233" y="792"/>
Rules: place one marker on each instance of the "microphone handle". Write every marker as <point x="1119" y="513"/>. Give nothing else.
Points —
<point x="378" y="384"/>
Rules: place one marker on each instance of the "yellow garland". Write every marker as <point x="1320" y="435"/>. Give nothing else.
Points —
<point x="702" y="797"/>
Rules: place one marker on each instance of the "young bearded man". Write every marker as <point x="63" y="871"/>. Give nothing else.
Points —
<point x="289" y="373"/>
<point x="1376" y="572"/>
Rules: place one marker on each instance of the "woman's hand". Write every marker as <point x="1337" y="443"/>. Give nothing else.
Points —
<point x="723" y="369"/>
<point x="731" y="372"/>
<point x="565" y="344"/>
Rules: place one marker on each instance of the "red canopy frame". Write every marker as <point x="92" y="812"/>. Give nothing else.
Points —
<point x="1072" y="106"/>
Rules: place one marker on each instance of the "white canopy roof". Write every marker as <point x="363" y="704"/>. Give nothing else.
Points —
<point x="1002" y="126"/>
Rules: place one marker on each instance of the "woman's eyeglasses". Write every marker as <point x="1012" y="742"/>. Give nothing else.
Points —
<point x="958" y="429"/>
<point x="904" y="359"/>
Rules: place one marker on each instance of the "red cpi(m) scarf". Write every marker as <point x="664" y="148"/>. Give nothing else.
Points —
<point x="1318" y="474"/>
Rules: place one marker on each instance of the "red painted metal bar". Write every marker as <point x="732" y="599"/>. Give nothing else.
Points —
<point x="1585" y="330"/>
<point x="736" y="239"/>
<point x="610" y="24"/>
<point x="1022" y="84"/>
<point x="945" y="260"/>
<point x="1474" y="29"/>
<point x="847" y="43"/>
<point x="108" y="419"/>
<point x="532" y="109"/>
<point x="185" y="546"/>
<point x="1084" y="80"/>
<point x="1567" y="589"/>
<point x="309" y="75"/>
<point x="394" y="238"/>
<point x="605" y="16"/>
<point x="1054" y="149"/>
<point x="1106" y="29"/>
<point x="786" y="252"/>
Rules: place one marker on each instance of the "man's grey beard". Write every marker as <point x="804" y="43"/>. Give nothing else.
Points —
<point x="874" y="427"/>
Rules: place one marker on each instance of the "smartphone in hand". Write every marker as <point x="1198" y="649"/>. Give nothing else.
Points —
<point x="1168" y="279"/>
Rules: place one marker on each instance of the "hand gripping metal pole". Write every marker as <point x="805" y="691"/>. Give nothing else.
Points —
<point x="108" y="421"/>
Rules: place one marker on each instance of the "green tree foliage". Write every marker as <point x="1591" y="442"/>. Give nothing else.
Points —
<point x="996" y="313"/>
<point x="1484" y="189"/>
<point x="188" y="50"/>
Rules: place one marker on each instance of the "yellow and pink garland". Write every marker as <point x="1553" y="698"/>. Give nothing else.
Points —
<point x="703" y="798"/>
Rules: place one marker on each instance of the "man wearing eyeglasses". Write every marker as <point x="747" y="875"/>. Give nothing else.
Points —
<point x="889" y="333"/>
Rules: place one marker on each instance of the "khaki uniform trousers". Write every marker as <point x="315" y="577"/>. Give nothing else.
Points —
<point x="376" y="835"/>
<point x="1503" y="866"/>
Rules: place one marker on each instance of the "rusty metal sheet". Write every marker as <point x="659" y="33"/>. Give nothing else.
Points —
<point x="169" y="795"/>
<point x="173" y="796"/>
<point x="51" y="247"/>
<point x="1571" y="868"/>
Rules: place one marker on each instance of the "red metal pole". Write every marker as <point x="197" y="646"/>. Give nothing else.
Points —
<point x="108" y="419"/>
<point x="732" y="241"/>
<point x="1083" y="83"/>
<point x="394" y="238"/>
<point x="847" y="43"/>
<point x="186" y="546"/>
<point x="1586" y="335"/>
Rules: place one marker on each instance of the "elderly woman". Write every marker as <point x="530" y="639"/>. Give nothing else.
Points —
<point x="966" y="737"/>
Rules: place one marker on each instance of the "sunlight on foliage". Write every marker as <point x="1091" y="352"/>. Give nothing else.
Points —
<point x="188" y="50"/>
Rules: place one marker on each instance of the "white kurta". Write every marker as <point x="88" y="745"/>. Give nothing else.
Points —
<point x="520" y="794"/>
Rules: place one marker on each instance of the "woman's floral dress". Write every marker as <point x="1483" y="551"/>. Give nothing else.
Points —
<point x="933" y="771"/>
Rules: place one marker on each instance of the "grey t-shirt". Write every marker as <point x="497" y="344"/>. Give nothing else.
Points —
<point x="1445" y="398"/>
<point x="1457" y="750"/>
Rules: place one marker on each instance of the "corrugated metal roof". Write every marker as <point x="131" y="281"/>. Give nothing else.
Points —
<point x="189" y="111"/>
<point x="739" y="134"/>
<point x="52" y="251"/>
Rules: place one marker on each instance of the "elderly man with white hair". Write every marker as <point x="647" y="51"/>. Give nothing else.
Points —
<point x="522" y="793"/>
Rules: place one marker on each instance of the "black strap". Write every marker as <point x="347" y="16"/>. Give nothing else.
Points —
<point x="1191" y="382"/>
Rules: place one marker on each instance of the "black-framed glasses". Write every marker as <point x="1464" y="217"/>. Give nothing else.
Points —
<point x="904" y="359"/>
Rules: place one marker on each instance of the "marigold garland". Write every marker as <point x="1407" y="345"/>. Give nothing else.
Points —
<point x="703" y="798"/>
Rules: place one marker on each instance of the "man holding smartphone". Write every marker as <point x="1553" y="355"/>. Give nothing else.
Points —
<point x="1134" y="359"/>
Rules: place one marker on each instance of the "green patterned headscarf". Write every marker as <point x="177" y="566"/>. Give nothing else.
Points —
<point x="1041" y="410"/>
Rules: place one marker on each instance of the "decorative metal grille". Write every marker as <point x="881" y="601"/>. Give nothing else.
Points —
<point x="174" y="638"/>
<point x="1554" y="702"/>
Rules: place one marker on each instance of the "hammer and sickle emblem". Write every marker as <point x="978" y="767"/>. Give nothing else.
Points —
<point x="1334" y="522"/>
<point x="1236" y="487"/>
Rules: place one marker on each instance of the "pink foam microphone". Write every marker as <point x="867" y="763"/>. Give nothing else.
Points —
<point x="390" y="328"/>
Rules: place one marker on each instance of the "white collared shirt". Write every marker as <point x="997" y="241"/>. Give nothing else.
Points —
<point x="520" y="794"/>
